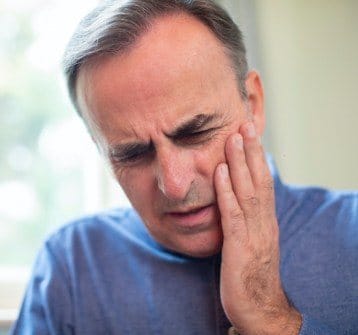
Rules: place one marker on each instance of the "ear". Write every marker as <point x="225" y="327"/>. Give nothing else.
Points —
<point x="255" y="100"/>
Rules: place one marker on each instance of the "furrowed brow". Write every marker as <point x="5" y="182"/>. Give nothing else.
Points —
<point x="195" y="124"/>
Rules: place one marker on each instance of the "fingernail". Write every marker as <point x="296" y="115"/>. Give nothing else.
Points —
<point x="224" y="171"/>
<point x="251" y="132"/>
<point x="238" y="141"/>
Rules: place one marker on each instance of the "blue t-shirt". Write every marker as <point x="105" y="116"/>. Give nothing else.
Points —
<point x="104" y="274"/>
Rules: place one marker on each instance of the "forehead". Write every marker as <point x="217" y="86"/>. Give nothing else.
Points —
<point x="176" y="68"/>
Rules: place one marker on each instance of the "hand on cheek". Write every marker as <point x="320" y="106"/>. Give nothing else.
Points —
<point x="251" y="291"/>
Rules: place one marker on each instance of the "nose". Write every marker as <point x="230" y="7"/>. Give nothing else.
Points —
<point x="175" y="173"/>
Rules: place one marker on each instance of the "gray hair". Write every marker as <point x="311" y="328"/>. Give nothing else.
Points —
<point x="115" y="25"/>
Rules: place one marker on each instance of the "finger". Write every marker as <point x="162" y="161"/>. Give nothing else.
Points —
<point x="239" y="172"/>
<point x="232" y="217"/>
<point x="255" y="154"/>
<point x="241" y="177"/>
<point x="259" y="170"/>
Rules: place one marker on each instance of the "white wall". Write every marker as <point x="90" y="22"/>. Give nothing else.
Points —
<point x="307" y="52"/>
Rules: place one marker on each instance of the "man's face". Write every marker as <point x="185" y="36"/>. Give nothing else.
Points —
<point x="161" y="113"/>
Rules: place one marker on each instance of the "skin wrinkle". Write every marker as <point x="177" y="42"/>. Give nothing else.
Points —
<point x="178" y="135"/>
<point x="193" y="197"/>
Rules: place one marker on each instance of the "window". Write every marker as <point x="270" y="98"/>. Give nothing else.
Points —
<point x="50" y="171"/>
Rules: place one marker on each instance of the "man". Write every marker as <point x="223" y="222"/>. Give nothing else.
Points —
<point x="215" y="242"/>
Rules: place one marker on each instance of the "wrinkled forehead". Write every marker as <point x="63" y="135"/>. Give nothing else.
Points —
<point x="175" y="64"/>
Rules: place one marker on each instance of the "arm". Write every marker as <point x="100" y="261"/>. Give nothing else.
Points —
<point x="308" y="327"/>
<point x="46" y="307"/>
<point x="251" y="290"/>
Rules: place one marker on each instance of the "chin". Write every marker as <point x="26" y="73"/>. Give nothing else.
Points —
<point x="203" y="246"/>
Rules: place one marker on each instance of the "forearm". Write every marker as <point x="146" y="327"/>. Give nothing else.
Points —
<point x="288" y="324"/>
<point x="308" y="326"/>
<point x="251" y="291"/>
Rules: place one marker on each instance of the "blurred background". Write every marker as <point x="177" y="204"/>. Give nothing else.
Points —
<point x="50" y="172"/>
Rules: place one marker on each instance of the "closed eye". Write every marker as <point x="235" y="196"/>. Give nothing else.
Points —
<point x="194" y="138"/>
<point x="132" y="154"/>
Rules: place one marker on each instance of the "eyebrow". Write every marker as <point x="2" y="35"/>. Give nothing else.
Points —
<point x="195" y="124"/>
<point x="122" y="151"/>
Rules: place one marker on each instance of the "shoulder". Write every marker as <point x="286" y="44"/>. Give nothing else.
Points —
<point x="98" y="231"/>
<point x="310" y="203"/>
<point x="321" y="217"/>
<point x="319" y="252"/>
<point x="100" y="222"/>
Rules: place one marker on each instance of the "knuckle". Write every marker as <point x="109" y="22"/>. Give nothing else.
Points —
<point x="251" y="201"/>
<point x="254" y="201"/>
<point x="236" y="214"/>
<point x="251" y="206"/>
<point x="268" y="183"/>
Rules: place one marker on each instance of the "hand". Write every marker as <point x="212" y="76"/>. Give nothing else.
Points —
<point x="250" y="285"/>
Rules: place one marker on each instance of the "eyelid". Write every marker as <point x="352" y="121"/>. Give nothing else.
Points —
<point x="195" y="132"/>
<point x="119" y="158"/>
<point x="196" y="137"/>
<point x="202" y="131"/>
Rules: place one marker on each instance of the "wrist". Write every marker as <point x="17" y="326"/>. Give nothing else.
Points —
<point x="288" y="323"/>
<point x="294" y="322"/>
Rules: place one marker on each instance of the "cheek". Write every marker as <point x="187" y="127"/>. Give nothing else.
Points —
<point x="210" y="156"/>
<point x="137" y="184"/>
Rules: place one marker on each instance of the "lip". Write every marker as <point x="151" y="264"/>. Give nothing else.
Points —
<point x="193" y="217"/>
